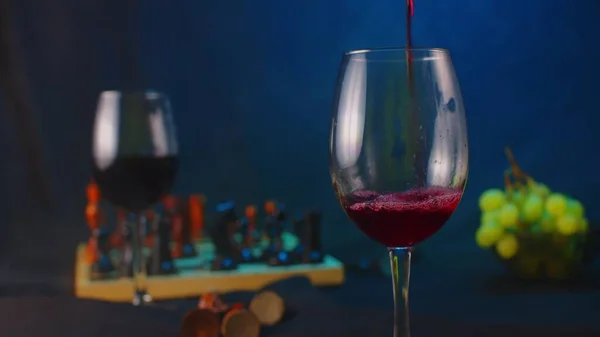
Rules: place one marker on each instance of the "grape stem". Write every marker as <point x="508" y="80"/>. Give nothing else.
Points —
<point x="507" y="182"/>
<point x="521" y="179"/>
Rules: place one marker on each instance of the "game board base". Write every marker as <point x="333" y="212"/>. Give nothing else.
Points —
<point x="194" y="278"/>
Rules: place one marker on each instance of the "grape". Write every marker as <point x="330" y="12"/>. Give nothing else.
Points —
<point x="507" y="247"/>
<point x="482" y="240"/>
<point x="489" y="216"/>
<point x="547" y="224"/>
<point x="556" y="205"/>
<point x="533" y="208"/>
<point x="517" y="198"/>
<point x="536" y="229"/>
<point x="575" y="208"/>
<point x="509" y="215"/>
<point x="541" y="190"/>
<point x="491" y="200"/>
<point x="488" y="234"/>
<point x="567" y="224"/>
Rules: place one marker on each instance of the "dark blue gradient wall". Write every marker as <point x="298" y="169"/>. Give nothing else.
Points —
<point x="251" y="84"/>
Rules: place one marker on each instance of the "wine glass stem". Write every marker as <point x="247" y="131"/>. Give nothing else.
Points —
<point x="400" y="263"/>
<point x="140" y="276"/>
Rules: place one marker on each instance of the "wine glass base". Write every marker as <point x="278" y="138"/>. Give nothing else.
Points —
<point x="141" y="297"/>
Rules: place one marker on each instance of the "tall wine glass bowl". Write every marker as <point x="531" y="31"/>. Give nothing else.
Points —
<point x="135" y="160"/>
<point x="398" y="151"/>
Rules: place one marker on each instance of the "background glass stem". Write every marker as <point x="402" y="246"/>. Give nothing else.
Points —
<point x="139" y="262"/>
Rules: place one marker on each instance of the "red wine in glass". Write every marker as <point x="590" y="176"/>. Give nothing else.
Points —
<point x="136" y="182"/>
<point x="402" y="219"/>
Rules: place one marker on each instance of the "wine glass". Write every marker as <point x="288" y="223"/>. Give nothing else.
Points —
<point x="135" y="162"/>
<point x="398" y="151"/>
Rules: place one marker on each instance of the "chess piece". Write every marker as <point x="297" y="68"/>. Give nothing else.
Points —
<point x="246" y="254"/>
<point x="227" y="251"/>
<point x="299" y="254"/>
<point x="126" y="263"/>
<point x="314" y="222"/>
<point x="269" y="230"/>
<point x="248" y="234"/>
<point x="117" y="239"/>
<point x="239" y="322"/>
<point x="91" y="250"/>
<point x="308" y="231"/>
<point x="187" y="244"/>
<point x="92" y="216"/>
<point x="161" y="261"/>
<point x="275" y="254"/>
<point x="151" y="217"/>
<point x="268" y="307"/>
<point x="280" y="222"/>
<point x="171" y="213"/>
<point x="98" y="249"/>
<point x="197" y="203"/>
<point x="200" y="322"/>
<point x="104" y="264"/>
<point x="177" y="231"/>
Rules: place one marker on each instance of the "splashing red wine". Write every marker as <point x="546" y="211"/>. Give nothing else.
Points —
<point x="402" y="219"/>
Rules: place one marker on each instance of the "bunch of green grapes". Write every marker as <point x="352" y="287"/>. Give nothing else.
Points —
<point x="531" y="208"/>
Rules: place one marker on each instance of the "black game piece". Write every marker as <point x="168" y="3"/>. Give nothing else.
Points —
<point x="118" y="236"/>
<point x="308" y="231"/>
<point x="246" y="253"/>
<point x="315" y="246"/>
<point x="188" y="249"/>
<point x="161" y="260"/>
<point x="172" y="212"/>
<point x="252" y="235"/>
<point x="275" y="254"/>
<point x="269" y="230"/>
<point x="299" y="226"/>
<point x="227" y="252"/>
<point x="104" y="264"/>
<point x="244" y="229"/>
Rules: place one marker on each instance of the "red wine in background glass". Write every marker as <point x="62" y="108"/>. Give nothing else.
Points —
<point x="402" y="219"/>
<point x="136" y="182"/>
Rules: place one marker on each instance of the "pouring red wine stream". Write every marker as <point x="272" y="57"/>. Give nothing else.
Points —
<point x="419" y="152"/>
<point x="410" y="12"/>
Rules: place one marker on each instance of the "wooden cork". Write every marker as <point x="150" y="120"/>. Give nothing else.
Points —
<point x="200" y="323"/>
<point x="213" y="302"/>
<point x="240" y="322"/>
<point x="268" y="307"/>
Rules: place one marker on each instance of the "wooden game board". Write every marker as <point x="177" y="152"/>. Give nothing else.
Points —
<point x="195" y="277"/>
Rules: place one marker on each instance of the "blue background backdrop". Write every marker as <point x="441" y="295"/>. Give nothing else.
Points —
<point x="251" y="83"/>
